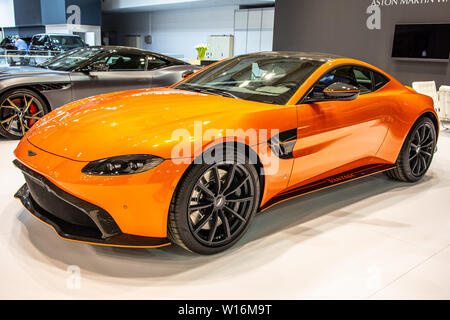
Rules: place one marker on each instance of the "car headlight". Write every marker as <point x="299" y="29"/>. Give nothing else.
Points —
<point x="122" y="165"/>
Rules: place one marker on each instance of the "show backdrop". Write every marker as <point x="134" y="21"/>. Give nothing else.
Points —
<point x="361" y="29"/>
<point x="32" y="16"/>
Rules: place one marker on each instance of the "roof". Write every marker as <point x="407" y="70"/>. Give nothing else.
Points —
<point x="294" y="54"/>
<point x="57" y="34"/>
<point x="133" y="50"/>
<point x="110" y="48"/>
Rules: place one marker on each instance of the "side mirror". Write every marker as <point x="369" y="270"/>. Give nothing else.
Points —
<point x="341" y="91"/>
<point x="98" y="66"/>
<point x="187" y="73"/>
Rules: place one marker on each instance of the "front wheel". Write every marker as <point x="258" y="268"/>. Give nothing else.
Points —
<point x="417" y="152"/>
<point x="19" y="111"/>
<point x="214" y="206"/>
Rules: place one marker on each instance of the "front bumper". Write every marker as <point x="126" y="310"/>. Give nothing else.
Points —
<point x="78" y="220"/>
<point x="138" y="203"/>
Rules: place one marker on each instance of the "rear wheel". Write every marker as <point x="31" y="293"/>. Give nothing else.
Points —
<point x="417" y="152"/>
<point x="214" y="206"/>
<point x="19" y="111"/>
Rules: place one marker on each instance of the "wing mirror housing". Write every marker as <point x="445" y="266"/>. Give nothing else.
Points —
<point x="341" y="91"/>
<point x="97" y="66"/>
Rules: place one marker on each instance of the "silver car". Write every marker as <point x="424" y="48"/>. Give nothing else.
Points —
<point x="27" y="93"/>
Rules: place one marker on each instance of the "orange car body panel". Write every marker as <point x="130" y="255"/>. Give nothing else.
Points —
<point x="332" y="137"/>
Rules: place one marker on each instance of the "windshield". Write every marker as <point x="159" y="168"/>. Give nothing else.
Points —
<point x="71" y="59"/>
<point x="66" y="41"/>
<point x="262" y="78"/>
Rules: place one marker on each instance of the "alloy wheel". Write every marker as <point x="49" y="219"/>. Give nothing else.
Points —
<point x="19" y="112"/>
<point x="421" y="149"/>
<point x="221" y="203"/>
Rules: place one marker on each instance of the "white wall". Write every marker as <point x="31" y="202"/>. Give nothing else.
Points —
<point x="71" y="28"/>
<point x="177" y="32"/>
<point x="7" y="13"/>
<point x="253" y="30"/>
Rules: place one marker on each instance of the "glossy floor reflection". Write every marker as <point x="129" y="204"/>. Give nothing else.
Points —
<point x="371" y="239"/>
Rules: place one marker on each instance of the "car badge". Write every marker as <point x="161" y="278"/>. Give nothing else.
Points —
<point x="31" y="153"/>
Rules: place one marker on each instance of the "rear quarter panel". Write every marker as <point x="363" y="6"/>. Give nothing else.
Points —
<point x="168" y="76"/>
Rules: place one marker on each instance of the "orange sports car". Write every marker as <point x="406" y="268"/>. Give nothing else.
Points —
<point x="192" y="164"/>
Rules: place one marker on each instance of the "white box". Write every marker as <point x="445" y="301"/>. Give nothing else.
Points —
<point x="220" y="47"/>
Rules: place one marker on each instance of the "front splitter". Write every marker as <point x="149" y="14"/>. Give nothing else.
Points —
<point x="72" y="233"/>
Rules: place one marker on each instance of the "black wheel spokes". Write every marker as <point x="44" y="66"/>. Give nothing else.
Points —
<point x="215" y="224"/>
<point x="202" y="222"/>
<point x="224" y="219"/>
<point x="220" y="204"/>
<point x="421" y="150"/>
<point x="217" y="181"/>
<point x="236" y="188"/>
<point x="16" y="114"/>
<point x="234" y="213"/>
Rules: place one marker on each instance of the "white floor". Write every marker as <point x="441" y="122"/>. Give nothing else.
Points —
<point x="370" y="239"/>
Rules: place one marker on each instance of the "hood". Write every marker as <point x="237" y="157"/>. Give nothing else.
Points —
<point x="26" y="71"/>
<point x="134" y="122"/>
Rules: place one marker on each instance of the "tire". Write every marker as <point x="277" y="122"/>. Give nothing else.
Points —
<point x="19" y="110"/>
<point x="417" y="152"/>
<point x="207" y="218"/>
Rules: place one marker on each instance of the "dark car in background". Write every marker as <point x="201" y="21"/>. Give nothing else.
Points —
<point x="8" y="43"/>
<point x="27" y="93"/>
<point x="56" y="42"/>
<point x="10" y="53"/>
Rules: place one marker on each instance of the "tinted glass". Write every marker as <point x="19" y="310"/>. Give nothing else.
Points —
<point x="126" y="62"/>
<point x="38" y="40"/>
<point x="357" y="76"/>
<point x="155" y="62"/>
<point x="65" y="41"/>
<point x="72" y="59"/>
<point x="268" y="79"/>
<point x="379" y="81"/>
<point x="342" y="74"/>
<point x="363" y="78"/>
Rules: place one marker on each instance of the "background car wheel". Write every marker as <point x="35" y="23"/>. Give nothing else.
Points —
<point x="19" y="111"/>
<point x="214" y="205"/>
<point x="417" y="152"/>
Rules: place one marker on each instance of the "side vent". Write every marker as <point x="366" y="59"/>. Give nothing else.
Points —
<point x="282" y="144"/>
<point x="52" y="86"/>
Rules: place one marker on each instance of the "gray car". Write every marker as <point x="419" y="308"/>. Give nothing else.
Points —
<point x="27" y="93"/>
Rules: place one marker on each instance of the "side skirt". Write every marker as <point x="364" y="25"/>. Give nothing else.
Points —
<point x="347" y="176"/>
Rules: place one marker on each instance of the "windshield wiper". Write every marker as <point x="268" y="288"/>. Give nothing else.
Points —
<point x="220" y="92"/>
<point x="209" y="90"/>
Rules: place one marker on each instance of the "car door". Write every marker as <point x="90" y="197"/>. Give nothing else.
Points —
<point x="113" y="72"/>
<point x="337" y="136"/>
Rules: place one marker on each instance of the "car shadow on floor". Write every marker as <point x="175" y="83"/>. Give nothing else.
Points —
<point x="298" y="219"/>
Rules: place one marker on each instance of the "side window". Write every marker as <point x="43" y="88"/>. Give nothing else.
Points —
<point x="155" y="62"/>
<point x="343" y="74"/>
<point x="379" y="81"/>
<point x="39" y="40"/>
<point x="363" y="78"/>
<point x="47" y="41"/>
<point x="126" y="62"/>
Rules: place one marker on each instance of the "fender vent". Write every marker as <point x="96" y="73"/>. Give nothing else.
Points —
<point x="51" y="86"/>
<point x="282" y="144"/>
